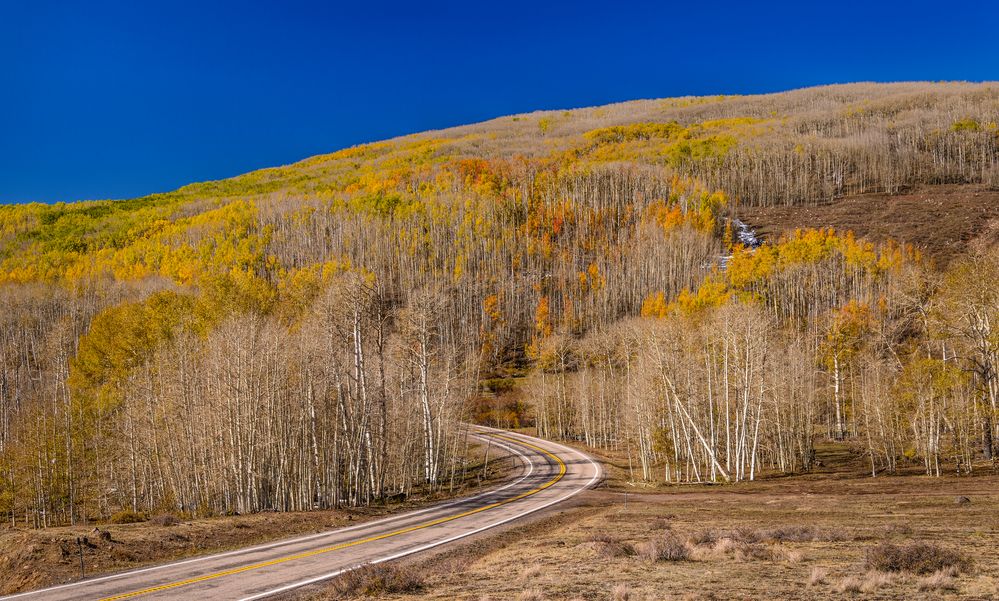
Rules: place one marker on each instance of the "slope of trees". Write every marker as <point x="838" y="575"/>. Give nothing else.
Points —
<point x="310" y="335"/>
<point x="816" y="335"/>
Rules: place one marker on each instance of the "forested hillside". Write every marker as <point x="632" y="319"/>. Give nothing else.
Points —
<point x="313" y="335"/>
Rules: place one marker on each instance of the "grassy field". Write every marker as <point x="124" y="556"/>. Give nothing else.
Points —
<point x="818" y="536"/>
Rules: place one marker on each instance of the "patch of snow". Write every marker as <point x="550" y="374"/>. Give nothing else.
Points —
<point x="745" y="236"/>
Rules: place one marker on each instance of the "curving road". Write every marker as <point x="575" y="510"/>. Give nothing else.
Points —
<point x="550" y="473"/>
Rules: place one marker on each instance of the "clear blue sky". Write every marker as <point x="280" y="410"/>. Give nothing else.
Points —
<point x="118" y="99"/>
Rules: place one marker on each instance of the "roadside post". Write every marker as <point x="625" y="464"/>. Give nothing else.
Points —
<point x="83" y="569"/>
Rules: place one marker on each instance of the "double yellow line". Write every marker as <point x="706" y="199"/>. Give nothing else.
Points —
<point x="280" y="560"/>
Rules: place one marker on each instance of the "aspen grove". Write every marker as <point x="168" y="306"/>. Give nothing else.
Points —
<point x="319" y="334"/>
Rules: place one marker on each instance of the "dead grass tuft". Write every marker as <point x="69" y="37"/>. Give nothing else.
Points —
<point x="378" y="579"/>
<point x="531" y="573"/>
<point x="917" y="557"/>
<point x="876" y="580"/>
<point x="868" y="583"/>
<point x="941" y="580"/>
<point x="725" y="546"/>
<point x="531" y="594"/>
<point x="792" y="555"/>
<point x="621" y="592"/>
<point x="818" y="576"/>
<point x="850" y="584"/>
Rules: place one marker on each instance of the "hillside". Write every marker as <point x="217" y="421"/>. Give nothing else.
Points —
<point x="310" y="336"/>
<point x="940" y="220"/>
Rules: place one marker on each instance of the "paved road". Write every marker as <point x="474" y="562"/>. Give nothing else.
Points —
<point x="550" y="473"/>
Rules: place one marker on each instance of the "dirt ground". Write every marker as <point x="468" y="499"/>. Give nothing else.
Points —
<point x="31" y="559"/>
<point x="801" y="537"/>
<point x="940" y="220"/>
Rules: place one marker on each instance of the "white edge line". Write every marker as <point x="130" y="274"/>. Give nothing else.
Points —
<point x="301" y="583"/>
<point x="294" y="540"/>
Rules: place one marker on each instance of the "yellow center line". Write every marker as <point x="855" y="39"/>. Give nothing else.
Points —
<point x="264" y="564"/>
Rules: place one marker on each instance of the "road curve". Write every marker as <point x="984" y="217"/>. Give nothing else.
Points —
<point x="550" y="473"/>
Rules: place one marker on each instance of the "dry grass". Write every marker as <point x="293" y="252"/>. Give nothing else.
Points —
<point x="797" y="538"/>
<point x="373" y="580"/>
<point x="530" y="574"/>
<point x="818" y="576"/>
<point x="622" y="592"/>
<point x="740" y="550"/>
<point x="793" y="555"/>
<point x="850" y="584"/>
<point x="531" y="594"/>
<point x="941" y="580"/>
<point x="867" y="583"/>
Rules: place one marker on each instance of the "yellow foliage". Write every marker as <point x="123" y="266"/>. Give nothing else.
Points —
<point x="713" y="292"/>
<point x="710" y="294"/>
<point x="655" y="305"/>
<point x="811" y="246"/>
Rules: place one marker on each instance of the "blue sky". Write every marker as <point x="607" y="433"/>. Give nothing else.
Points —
<point x="120" y="99"/>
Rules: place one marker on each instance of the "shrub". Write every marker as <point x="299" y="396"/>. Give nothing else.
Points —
<point x="608" y="546"/>
<point x="667" y="547"/>
<point x="755" y="551"/>
<point x="965" y="125"/>
<point x="704" y="537"/>
<point x="127" y="516"/>
<point x="165" y="520"/>
<point x="790" y="534"/>
<point x="801" y="534"/>
<point x="918" y="558"/>
<point x="377" y="579"/>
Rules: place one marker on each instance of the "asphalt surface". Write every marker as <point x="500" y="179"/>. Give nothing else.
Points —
<point x="549" y="473"/>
